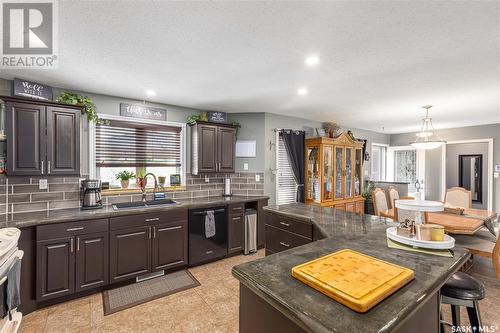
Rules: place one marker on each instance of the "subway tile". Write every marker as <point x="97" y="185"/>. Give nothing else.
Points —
<point x="182" y="195"/>
<point x="64" y="204"/>
<point x="239" y="180"/>
<point x="27" y="207"/>
<point x="255" y="192"/>
<point x="50" y="180"/>
<point x="26" y="189"/>
<point x="3" y="180"/>
<point x="193" y="187"/>
<point x="259" y="186"/>
<point x="47" y="196"/>
<point x="208" y="186"/>
<point x="199" y="194"/>
<point x="247" y="186"/>
<point x="240" y="192"/>
<point x="19" y="180"/>
<point x="13" y="198"/>
<point x="3" y="210"/>
<point x="64" y="187"/>
<point x="214" y="193"/>
<point x="71" y="195"/>
<point x="72" y="180"/>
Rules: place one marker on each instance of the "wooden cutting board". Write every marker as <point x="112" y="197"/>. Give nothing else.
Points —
<point x="354" y="279"/>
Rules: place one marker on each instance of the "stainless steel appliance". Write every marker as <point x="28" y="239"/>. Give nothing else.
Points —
<point x="90" y="194"/>
<point x="250" y="245"/>
<point x="202" y="248"/>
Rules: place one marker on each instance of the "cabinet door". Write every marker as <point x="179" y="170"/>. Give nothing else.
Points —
<point x="129" y="253"/>
<point x="63" y="141"/>
<point x="207" y="148"/>
<point x="25" y="138"/>
<point x="349" y="173"/>
<point x="327" y="186"/>
<point x="236" y="231"/>
<point x="226" y="141"/>
<point x="92" y="261"/>
<point x="170" y="245"/>
<point x="55" y="268"/>
<point x="339" y="172"/>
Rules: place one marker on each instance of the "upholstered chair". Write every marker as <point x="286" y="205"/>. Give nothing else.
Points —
<point x="380" y="203"/>
<point x="394" y="195"/>
<point x="458" y="197"/>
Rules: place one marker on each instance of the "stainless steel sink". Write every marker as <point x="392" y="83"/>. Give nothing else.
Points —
<point x="144" y="204"/>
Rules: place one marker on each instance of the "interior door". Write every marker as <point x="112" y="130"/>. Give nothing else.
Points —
<point x="63" y="141"/>
<point x="25" y="124"/>
<point x="207" y="148"/>
<point x="226" y="141"/>
<point x="92" y="261"/>
<point x="55" y="271"/>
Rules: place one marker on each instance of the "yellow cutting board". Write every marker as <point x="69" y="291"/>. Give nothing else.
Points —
<point x="354" y="279"/>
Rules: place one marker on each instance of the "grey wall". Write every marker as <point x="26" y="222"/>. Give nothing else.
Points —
<point x="452" y="176"/>
<point x="433" y="163"/>
<point x="252" y="128"/>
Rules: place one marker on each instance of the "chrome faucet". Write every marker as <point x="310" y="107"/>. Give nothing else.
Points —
<point x="143" y="187"/>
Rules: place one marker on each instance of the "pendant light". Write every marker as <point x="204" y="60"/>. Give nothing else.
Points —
<point x="427" y="138"/>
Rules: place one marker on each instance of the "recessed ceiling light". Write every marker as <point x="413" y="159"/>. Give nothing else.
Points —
<point x="150" y="92"/>
<point x="312" y="60"/>
<point x="302" y="91"/>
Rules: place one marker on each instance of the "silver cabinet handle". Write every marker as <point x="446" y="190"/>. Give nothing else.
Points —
<point x="149" y="232"/>
<point x="171" y="228"/>
<point x="236" y="208"/>
<point x="236" y="218"/>
<point x="42" y="168"/>
<point x="152" y="219"/>
<point x="71" y="244"/>
<point x="285" y="224"/>
<point x="75" y="229"/>
<point x="154" y="232"/>
<point x="77" y="244"/>
<point x="285" y="244"/>
<point x="48" y="167"/>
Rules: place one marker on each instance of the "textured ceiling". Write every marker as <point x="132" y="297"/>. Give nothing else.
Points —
<point x="380" y="61"/>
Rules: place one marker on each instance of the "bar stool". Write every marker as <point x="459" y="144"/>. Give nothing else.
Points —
<point x="463" y="290"/>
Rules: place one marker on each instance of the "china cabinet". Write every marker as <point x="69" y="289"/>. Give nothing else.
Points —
<point x="334" y="172"/>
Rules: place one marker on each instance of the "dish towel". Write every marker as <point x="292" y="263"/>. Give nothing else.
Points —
<point x="13" y="283"/>
<point x="209" y="224"/>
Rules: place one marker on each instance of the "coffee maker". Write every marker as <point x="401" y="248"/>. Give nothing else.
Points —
<point x="90" y="194"/>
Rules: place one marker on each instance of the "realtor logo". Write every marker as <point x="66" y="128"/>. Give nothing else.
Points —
<point x="28" y="34"/>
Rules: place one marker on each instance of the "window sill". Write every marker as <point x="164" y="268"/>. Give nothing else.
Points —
<point x="120" y="191"/>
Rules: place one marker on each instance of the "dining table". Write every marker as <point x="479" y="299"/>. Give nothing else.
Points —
<point x="467" y="223"/>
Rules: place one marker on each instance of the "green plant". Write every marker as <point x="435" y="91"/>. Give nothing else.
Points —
<point x="162" y="179"/>
<point x="192" y="119"/>
<point x="367" y="191"/>
<point x="74" y="99"/>
<point x="141" y="173"/>
<point x="237" y="125"/>
<point x="125" y="175"/>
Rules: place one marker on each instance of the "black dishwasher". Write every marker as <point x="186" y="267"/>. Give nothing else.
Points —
<point x="202" y="248"/>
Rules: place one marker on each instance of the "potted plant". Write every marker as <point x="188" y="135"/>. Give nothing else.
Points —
<point x="141" y="181"/>
<point x="74" y="99"/>
<point x="367" y="194"/>
<point x="161" y="180"/>
<point x="124" y="177"/>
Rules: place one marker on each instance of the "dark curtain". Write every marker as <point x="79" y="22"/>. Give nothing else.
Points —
<point x="295" y="145"/>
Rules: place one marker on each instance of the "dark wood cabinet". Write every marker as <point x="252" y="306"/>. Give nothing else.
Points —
<point x="283" y="233"/>
<point x="236" y="229"/>
<point x="213" y="148"/>
<point x="25" y="126"/>
<point x="55" y="268"/>
<point x="42" y="138"/>
<point x="169" y="245"/>
<point x="63" y="141"/>
<point x="92" y="261"/>
<point x="130" y="252"/>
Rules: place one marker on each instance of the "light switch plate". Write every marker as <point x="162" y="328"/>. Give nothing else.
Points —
<point x="207" y="179"/>
<point x="496" y="174"/>
<point x="42" y="184"/>
<point x="257" y="178"/>
<point x="245" y="166"/>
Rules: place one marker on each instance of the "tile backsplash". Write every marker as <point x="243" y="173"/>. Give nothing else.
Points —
<point x="22" y="194"/>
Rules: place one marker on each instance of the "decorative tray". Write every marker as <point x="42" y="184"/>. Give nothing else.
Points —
<point x="448" y="243"/>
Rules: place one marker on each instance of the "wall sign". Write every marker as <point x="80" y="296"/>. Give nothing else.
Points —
<point x="217" y="117"/>
<point x="32" y="89"/>
<point x="142" y="111"/>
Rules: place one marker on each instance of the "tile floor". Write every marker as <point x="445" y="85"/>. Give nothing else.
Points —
<point x="211" y="307"/>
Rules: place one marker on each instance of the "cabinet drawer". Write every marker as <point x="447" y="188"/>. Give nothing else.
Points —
<point x="59" y="230"/>
<point x="288" y="224"/>
<point x="130" y="221"/>
<point x="278" y="240"/>
<point x="236" y="209"/>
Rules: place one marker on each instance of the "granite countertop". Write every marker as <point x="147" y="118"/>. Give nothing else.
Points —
<point x="23" y="220"/>
<point x="271" y="279"/>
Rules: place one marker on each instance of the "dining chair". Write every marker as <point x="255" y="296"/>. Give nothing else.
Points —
<point x="458" y="197"/>
<point x="482" y="244"/>
<point x="380" y="203"/>
<point x="394" y="195"/>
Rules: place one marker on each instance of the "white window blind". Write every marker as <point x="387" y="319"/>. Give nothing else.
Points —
<point x="286" y="191"/>
<point x="129" y="144"/>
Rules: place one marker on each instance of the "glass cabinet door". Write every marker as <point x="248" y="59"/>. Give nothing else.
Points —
<point x="358" y="172"/>
<point x="339" y="172"/>
<point x="348" y="172"/>
<point x="327" y="173"/>
<point x="312" y="176"/>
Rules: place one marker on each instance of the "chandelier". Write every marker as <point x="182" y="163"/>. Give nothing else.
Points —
<point x="427" y="138"/>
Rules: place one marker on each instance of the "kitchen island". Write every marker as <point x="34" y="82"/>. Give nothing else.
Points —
<point x="271" y="300"/>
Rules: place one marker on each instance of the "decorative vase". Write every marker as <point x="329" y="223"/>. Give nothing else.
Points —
<point x="141" y="182"/>
<point x="124" y="183"/>
<point x="161" y="181"/>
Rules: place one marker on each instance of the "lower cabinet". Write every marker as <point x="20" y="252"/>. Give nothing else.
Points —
<point x="283" y="233"/>
<point x="169" y="246"/>
<point x="236" y="230"/>
<point x="71" y="257"/>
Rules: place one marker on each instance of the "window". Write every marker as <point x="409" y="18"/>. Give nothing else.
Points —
<point x="379" y="161"/>
<point x="286" y="187"/>
<point x="138" y="147"/>
<point x="405" y="168"/>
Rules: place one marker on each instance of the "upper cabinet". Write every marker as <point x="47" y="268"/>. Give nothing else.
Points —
<point x="212" y="148"/>
<point x="42" y="138"/>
